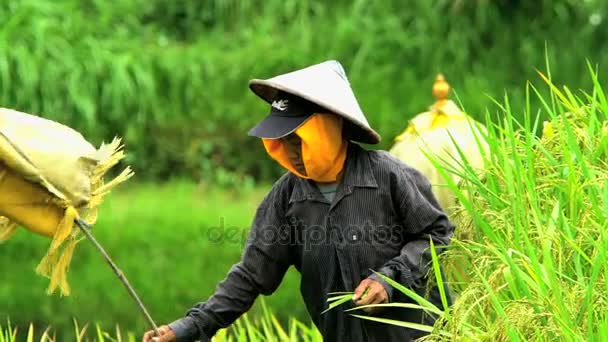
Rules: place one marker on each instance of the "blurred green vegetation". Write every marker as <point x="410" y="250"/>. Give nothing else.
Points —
<point x="170" y="242"/>
<point x="171" y="76"/>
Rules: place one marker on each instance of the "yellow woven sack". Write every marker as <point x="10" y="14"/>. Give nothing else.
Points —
<point x="441" y="132"/>
<point x="50" y="176"/>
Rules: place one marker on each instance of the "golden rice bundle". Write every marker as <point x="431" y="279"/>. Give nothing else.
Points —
<point x="49" y="177"/>
<point x="445" y="134"/>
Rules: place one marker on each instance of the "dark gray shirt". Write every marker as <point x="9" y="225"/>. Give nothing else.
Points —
<point x="380" y="219"/>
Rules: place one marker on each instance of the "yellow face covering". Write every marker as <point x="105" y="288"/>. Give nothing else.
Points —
<point x="322" y="151"/>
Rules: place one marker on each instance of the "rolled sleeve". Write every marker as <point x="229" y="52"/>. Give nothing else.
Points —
<point x="186" y="331"/>
<point x="387" y="287"/>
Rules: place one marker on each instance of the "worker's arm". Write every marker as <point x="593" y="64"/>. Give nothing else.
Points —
<point x="422" y="219"/>
<point x="260" y="271"/>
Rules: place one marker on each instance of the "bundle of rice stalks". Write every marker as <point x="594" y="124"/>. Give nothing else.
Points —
<point x="447" y="135"/>
<point x="50" y="176"/>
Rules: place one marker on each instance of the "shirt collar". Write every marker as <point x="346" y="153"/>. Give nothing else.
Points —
<point x="358" y="170"/>
<point x="357" y="173"/>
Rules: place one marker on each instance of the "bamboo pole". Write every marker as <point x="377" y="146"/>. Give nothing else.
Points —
<point x="84" y="227"/>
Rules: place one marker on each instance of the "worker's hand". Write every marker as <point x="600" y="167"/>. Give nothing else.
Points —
<point x="166" y="335"/>
<point x="368" y="292"/>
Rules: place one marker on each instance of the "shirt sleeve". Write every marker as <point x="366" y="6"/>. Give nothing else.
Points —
<point x="263" y="264"/>
<point x="422" y="219"/>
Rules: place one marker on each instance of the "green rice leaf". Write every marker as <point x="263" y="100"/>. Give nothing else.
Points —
<point x="410" y="325"/>
<point x="439" y="278"/>
<point x="337" y="301"/>
<point x="30" y="333"/>
<point x="413" y="295"/>
<point x="389" y="305"/>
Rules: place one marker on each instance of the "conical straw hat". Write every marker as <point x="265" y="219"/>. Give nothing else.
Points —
<point x="326" y="85"/>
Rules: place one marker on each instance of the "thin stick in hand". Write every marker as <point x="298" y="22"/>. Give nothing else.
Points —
<point x="84" y="227"/>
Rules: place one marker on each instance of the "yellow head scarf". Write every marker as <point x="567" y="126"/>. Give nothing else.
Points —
<point x="323" y="149"/>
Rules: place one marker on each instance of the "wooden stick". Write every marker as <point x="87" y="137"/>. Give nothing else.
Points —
<point x="84" y="227"/>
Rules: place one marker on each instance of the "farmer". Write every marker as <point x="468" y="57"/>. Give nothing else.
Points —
<point x="338" y="215"/>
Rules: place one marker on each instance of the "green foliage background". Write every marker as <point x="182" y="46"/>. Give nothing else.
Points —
<point x="171" y="78"/>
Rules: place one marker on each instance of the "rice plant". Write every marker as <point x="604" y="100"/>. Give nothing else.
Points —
<point x="264" y="328"/>
<point x="528" y="260"/>
<point x="533" y="232"/>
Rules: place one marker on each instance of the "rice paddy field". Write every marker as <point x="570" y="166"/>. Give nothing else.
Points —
<point x="527" y="262"/>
